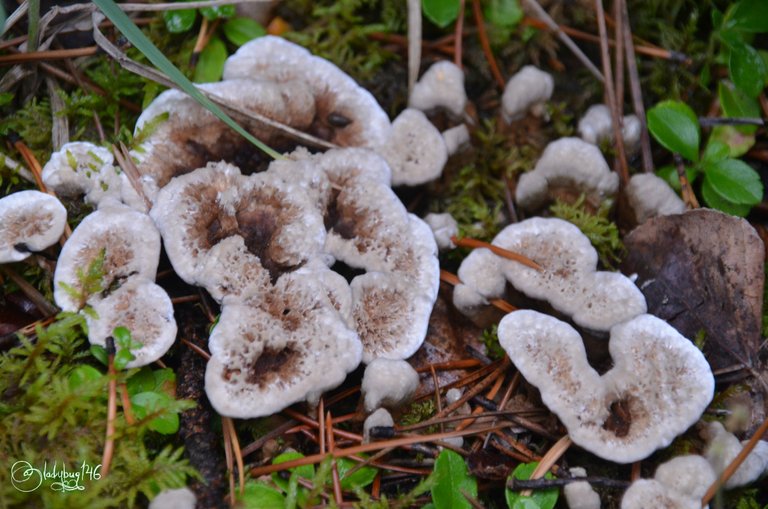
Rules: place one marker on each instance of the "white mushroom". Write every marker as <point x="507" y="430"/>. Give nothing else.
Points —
<point x="571" y="166"/>
<point x="442" y="86"/>
<point x="378" y="419"/>
<point x="182" y="498"/>
<point x="145" y="310"/>
<point x="526" y="91"/>
<point x="723" y="447"/>
<point x="580" y="495"/>
<point x="596" y="126"/>
<point x="455" y="138"/>
<point x="443" y="226"/>
<point x="282" y="347"/>
<point x="345" y="113"/>
<point x="650" y="196"/>
<point x="116" y="241"/>
<point x="83" y="168"/>
<point x="678" y="484"/>
<point x="389" y="383"/>
<point x="29" y="221"/>
<point x="568" y="280"/>
<point x="659" y="385"/>
<point x="415" y="151"/>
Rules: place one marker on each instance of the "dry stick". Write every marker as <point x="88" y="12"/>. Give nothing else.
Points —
<point x="735" y="464"/>
<point x="438" y="400"/>
<point x="515" y="453"/>
<point x="59" y="120"/>
<point x="237" y="452"/>
<point x="199" y="351"/>
<point x="688" y="196"/>
<point x="185" y="299"/>
<point x="637" y="92"/>
<point x="466" y="380"/>
<point x="500" y="251"/>
<point x="619" y="60"/>
<point x="549" y="459"/>
<point x="337" y="495"/>
<point x="543" y="484"/>
<point x="478" y="410"/>
<point x="321" y="427"/>
<point x="547" y="19"/>
<point x="109" y="442"/>
<point x="364" y="448"/>
<point x="233" y="110"/>
<point x="450" y="365"/>
<point x="513" y="384"/>
<point x="486" y="45"/>
<point x="611" y="94"/>
<point x="54" y="54"/>
<point x="199" y="43"/>
<point x="229" y="459"/>
<point x="458" y="37"/>
<point x="414" y="43"/>
<point x="124" y="159"/>
<point x="32" y="293"/>
<point x="636" y="470"/>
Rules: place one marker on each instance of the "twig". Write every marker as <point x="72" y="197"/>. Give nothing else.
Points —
<point x="59" y="120"/>
<point x="54" y="54"/>
<point x="40" y="302"/>
<point x="549" y="459"/>
<point x="237" y="453"/>
<point x="458" y="36"/>
<point x="202" y="353"/>
<point x="547" y="19"/>
<point x="33" y="24"/>
<point x="500" y="251"/>
<point x="486" y="45"/>
<point x="127" y="405"/>
<point x="124" y="160"/>
<point x="543" y="484"/>
<point x="688" y="197"/>
<point x="199" y="43"/>
<point x="735" y="464"/>
<point x="337" y="495"/>
<point x="611" y="94"/>
<point x="477" y="411"/>
<point x="637" y="92"/>
<point x="619" y="58"/>
<point x="712" y="121"/>
<point x="109" y="442"/>
<point x="229" y="459"/>
<point x="414" y="42"/>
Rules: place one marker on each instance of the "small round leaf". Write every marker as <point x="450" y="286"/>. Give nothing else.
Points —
<point x="735" y="181"/>
<point x="441" y="12"/>
<point x="453" y="482"/>
<point x="715" y="201"/>
<point x="241" y="30"/>
<point x="747" y="69"/>
<point x="210" y="67"/>
<point x="179" y="21"/>
<point x="675" y="126"/>
<point x="749" y="16"/>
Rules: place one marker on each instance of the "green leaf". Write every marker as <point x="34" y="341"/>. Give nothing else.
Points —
<point x="441" y="12"/>
<point x="82" y="375"/>
<point x="221" y="11"/>
<point x="359" y="479"/>
<point x="540" y="499"/>
<point x="716" y="201"/>
<point x="734" y="137"/>
<point x="146" y="403"/>
<point x="122" y="358"/>
<point x="241" y="30"/>
<point x="735" y="103"/>
<point x="735" y="181"/>
<point x="122" y="337"/>
<point x="6" y="97"/>
<point x="503" y="13"/>
<point x="100" y="353"/>
<point x="675" y="126"/>
<point x="210" y="67"/>
<point x="179" y="21"/>
<point x="715" y="151"/>
<point x="257" y="495"/>
<point x="149" y="380"/>
<point x="749" y="16"/>
<point x="290" y="485"/>
<point x="747" y="69"/>
<point x="452" y="482"/>
<point x="129" y="29"/>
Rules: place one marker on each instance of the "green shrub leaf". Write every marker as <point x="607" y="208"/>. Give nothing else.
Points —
<point x="675" y="126"/>
<point x="749" y="16"/>
<point x="503" y="13"/>
<point x="747" y="69"/>
<point x="146" y="403"/>
<point x="715" y="151"/>
<point x="734" y="137"/>
<point x="257" y="495"/>
<point x="716" y="201"/>
<point x="735" y="103"/>
<point x="241" y="30"/>
<point x="210" y="67"/>
<point x="179" y="21"/>
<point x="441" y="12"/>
<point x="82" y="375"/>
<point x="221" y="11"/>
<point x="452" y="482"/>
<point x="540" y="499"/>
<point x="735" y="181"/>
<point x="360" y="478"/>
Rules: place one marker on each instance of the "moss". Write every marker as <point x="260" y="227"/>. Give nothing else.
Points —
<point x="490" y="339"/>
<point x="418" y="412"/>
<point x="601" y="231"/>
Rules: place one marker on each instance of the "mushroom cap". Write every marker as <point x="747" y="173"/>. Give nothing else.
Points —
<point x="441" y="86"/>
<point x="232" y="233"/>
<point x="569" y="163"/>
<point x="142" y="307"/>
<point x="528" y="87"/>
<point x="179" y="135"/>
<point x="415" y="150"/>
<point x="29" y="221"/>
<point x="345" y="113"/>
<point x="181" y="498"/>
<point x="388" y="382"/>
<point x="596" y="124"/>
<point x="568" y="279"/>
<point x="455" y="138"/>
<point x="723" y="447"/>
<point x="679" y="483"/>
<point x="650" y="196"/>
<point x="580" y="495"/>
<point x="83" y="168"/>
<point x="286" y="346"/>
<point x="659" y="386"/>
<point x="443" y="227"/>
<point x="380" y="418"/>
<point x="647" y="493"/>
<point x="131" y="246"/>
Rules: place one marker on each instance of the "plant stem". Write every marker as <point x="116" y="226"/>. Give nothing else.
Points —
<point x="33" y="20"/>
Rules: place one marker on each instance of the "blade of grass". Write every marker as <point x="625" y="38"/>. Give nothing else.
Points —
<point x="143" y="44"/>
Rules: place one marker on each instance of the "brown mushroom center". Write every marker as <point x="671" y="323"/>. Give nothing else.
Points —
<point x="619" y="421"/>
<point x="274" y="365"/>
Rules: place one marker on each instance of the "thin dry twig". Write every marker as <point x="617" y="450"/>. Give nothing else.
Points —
<point x="337" y="495"/>
<point x="414" y="43"/>
<point x="550" y="458"/>
<point x="500" y="251"/>
<point x="109" y="441"/>
<point x="688" y="195"/>
<point x="54" y="54"/>
<point x="486" y="45"/>
<point x="459" y="37"/>
<point x="32" y="293"/>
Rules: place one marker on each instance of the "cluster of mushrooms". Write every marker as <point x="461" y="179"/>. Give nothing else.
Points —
<point x="265" y="239"/>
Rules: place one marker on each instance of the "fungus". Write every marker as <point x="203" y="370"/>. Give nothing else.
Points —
<point x="649" y="196"/>
<point x="415" y="150"/>
<point x="142" y="307"/>
<point x="723" y="447"/>
<point x="659" y="384"/>
<point x="389" y="383"/>
<point x="381" y="418"/>
<point x="123" y="243"/>
<point x="441" y="86"/>
<point x="345" y="113"/>
<point x="596" y="126"/>
<point x="284" y="346"/>
<point x="30" y="221"/>
<point x="678" y="484"/>
<point x="181" y="498"/>
<point x="568" y="168"/>
<point x="580" y="495"/>
<point x="568" y="279"/>
<point x="83" y="168"/>
<point x="443" y="227"/>
<point x="456" y="138"/>
<point x="527" y="90"/>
